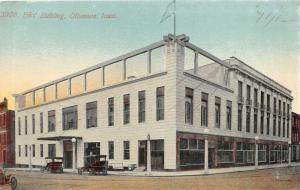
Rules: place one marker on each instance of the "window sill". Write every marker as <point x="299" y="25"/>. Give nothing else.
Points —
<point x="91" y="127"/>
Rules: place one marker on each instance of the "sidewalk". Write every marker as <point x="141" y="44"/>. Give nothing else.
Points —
<point x="172" y="173"/>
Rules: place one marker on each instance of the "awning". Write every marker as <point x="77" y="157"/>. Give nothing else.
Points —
<point x="58" y="138"/>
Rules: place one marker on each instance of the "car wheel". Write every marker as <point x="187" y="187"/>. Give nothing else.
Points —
<point x="13" y="183"/>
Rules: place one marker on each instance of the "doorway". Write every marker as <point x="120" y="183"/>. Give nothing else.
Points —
<point x="142" y="153"/>
<point x="68" y="154"/>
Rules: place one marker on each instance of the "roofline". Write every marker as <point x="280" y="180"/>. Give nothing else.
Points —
<point x="263" y="74"/>
<point x="262" y="81"/>
<point x="207" y="54"/>
<point x="99" y="65"/>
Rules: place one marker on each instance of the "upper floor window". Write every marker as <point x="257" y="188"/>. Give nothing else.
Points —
<point x="69" y="118"/>
<point x="288" y="129"/>
<point x="217" y="112"/>
<point x="110" y="111"/>
<point x="19" y="147"/>
<point x="262" y="122"/>
<point x="274" y="105"/>
<point x="142" y="106"/>
<point x="228" y="114"/>
<point x="204" y="109"/>
<point x="279" y="126"/>
<point x="268" y="123"/>
<point x="91" y="114"/>
<point x="126" y="109"/>
<point x="274" y="125"/>
<point x="26" y="125"/>
<point x="248" y="92"/>
<point x="279" y="106"/>
<point x="19" y="125"/>
<point x="51" y="121"/>
<point x="248" y="118"/>
<point x="240" y="89"/>
<point x="255" y="121"/>
<point x="189" y="105"/>
<point x="288" y="111"/>
<point x="41" y="122"/>
<point x="33" y="124"/>
<point x="33" y="150"/>
<point x="262" y="99"/>
<point x="255" y="97"/>
<point x="26" y="150"/>
<point x="160" y="103"/>
<point x="240" y="121"/>
<point x="268" y="102"/>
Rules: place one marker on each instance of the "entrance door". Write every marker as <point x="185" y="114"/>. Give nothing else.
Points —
<point x="142" y="153"/>
<point x="68" y="154"/>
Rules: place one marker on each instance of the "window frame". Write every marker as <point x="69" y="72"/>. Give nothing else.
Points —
<point x="51" y="120"/>
<point x="189" y="112"/>
<point x="69" y="113"/>
<point x="111" y="150"/>
<point x="126" y="109"/>
<point x="126" y="150"/>
<point x="111" y="111"/>
<point x="160" y="103"/>
<point x="141" y="105"/>
<point x="91" y="110"/>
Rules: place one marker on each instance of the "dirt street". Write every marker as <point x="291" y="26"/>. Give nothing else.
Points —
<point x="271" y="179"/>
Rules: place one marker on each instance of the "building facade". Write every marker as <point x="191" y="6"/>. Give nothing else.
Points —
<point x="194" y="111"/>
<point x="295" y="137"/>
<point x="7" y="135"/>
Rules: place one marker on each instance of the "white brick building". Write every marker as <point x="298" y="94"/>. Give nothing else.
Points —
<point x="198" y="110"/>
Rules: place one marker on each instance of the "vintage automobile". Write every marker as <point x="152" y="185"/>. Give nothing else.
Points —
<point x="7" y="179"/>
<point x="95" y="164"/>
<point x="54" y="165"/>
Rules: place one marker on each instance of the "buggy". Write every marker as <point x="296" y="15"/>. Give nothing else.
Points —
<point x="54" y="165"/>
<point x="7" y="179"/>
<point x="95" y="164"/>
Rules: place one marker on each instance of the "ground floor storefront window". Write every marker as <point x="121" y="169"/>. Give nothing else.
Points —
<point x="91" y="151"/>
<point x="262" y="153"/>
<point x="191" y="153"/>
<point x="295" y="154"/>
<point x="245" y="153"/>
<point x="225" y="153"/>
<point x="284" y="154"/>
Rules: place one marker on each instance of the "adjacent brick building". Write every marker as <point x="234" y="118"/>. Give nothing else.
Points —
<point x="7" y="135"/>
<point x="295" y="137"/>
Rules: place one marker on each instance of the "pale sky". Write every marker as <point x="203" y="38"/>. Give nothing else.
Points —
<point x="33" y="51"/>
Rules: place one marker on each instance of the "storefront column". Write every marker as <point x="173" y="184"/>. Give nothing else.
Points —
<point x="206" y="156"/>
<point x="74" y="153"/>
<point x="256" y="152"/>
<point x="290" y="153"/>
<point x="281" y="154"/>
<point x="148" y="155"/>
